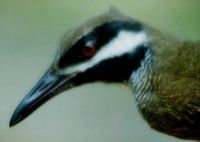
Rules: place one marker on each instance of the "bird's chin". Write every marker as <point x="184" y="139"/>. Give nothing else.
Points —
<point x="49" y="86"/>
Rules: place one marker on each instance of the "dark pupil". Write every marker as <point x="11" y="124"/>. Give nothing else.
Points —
<point x="88" y="50"/>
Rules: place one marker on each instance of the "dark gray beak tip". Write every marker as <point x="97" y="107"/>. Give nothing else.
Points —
<point x="18" y="115"/>
<point x="49" y="86"/>
<point x="13" y="121"/>
<point x="16" y="118"/>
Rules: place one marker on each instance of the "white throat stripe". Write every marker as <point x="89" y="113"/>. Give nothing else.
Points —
<point x="124" y="42"/>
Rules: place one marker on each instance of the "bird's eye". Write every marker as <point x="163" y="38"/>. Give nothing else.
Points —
<point x="89" y="49"/>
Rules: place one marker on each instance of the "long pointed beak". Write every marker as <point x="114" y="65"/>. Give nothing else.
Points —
<point x="50" y="85"/>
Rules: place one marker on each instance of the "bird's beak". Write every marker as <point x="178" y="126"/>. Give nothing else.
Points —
<point x="49" y="85"/>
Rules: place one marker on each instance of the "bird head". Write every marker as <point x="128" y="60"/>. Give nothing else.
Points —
<point x="106" y="48"/>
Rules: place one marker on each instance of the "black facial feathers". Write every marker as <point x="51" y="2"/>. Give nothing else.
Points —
<point x="98" y="37"/>
<point x="118" y="69"/>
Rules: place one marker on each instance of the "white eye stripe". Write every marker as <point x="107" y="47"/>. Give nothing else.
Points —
<point x="124" y="42"/>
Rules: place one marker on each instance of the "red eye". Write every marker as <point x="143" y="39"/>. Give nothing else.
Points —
<point x="89" y="50"/>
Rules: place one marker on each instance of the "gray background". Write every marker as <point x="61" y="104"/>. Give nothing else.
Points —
<point x="30" y="31"/>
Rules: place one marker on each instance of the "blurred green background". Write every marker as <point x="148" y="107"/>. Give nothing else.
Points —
<point x="30" y="31"/>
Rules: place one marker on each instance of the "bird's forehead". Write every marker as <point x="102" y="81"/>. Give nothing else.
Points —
<point x="73" y="35"/>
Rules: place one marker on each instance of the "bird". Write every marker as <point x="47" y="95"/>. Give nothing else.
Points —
<point x="162" y="71"/>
